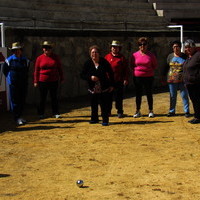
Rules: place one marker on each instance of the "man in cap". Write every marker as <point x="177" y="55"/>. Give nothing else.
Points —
<point x="120" y="68"/>
<point x="16" y="69"/>
<point x="191" y="77"/>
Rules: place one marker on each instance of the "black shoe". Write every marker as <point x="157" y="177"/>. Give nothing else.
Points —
<point x="170" y="114"/>
<point x="194" y="121"/>
<point x="120" y="115"/>
<point x="41" y="117"/>
<point x="105" y="124"/>
<point x="187" y="115"/>
<point x="190" y="120"/>
<point x="94" y="122"/>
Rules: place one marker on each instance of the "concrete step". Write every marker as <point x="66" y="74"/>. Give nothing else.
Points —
<point x="80" y="14"/>
<point x="173" y="1"/>
<point x="145" y="8"/>
<point x="91" y="2"/>
<point x="76" y="15"/>
<point x="45" y="3"/>
<point x="75" y="6"/>
<point x="176" y="6"/>
<point x="36" y="9"/>
<point x="87" y="25"/>
<point x="184" y="14"/>
<point x="179" y="9"/>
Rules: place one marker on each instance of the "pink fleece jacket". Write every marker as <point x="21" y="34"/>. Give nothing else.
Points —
<point x="143" y="65"/>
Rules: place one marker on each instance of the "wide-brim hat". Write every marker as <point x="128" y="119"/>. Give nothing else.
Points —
<point x="116" y="43"/>
<point x="47" y="43"/>
<point x="16" y="45"/>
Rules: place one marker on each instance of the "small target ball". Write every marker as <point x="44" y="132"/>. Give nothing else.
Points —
<point x="79" y="183"/>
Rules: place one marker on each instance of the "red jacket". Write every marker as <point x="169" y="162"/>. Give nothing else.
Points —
<point x="48" y="69"/>
<point x="119" y="66"/>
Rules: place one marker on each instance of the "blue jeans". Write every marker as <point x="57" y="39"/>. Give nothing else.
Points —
<point x="173" y="88"/>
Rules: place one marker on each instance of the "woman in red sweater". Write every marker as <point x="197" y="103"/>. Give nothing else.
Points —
<point x="121" y="72"/>
<point x="47" y="75"/>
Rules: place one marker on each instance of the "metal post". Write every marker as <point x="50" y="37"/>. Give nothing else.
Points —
<point x="3" y="45"/>
<point x="181" y="33"/>
<point x="2" y="35"/>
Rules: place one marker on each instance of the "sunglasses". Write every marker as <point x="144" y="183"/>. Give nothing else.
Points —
<point x="142" y="44"/>
<point x="47" y="47"/>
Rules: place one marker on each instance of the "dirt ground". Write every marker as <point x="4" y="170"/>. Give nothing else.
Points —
<point x="131" y="159"/>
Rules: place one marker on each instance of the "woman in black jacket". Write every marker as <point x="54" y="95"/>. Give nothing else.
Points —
<point x="191" y="77"/>
<point x="99" y="75"/>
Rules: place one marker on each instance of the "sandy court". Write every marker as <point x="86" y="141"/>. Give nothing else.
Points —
<point x="132" y="159"/>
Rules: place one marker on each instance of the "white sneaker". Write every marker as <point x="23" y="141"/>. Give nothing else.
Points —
<point x="19" y="122"/>
<point x="57" y="116"/>
<point x="137" y="114"/>
<point x="23" y="120"/>
<point x="151" y="114"/>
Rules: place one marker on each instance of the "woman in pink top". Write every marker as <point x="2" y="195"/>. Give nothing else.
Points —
<point x="143" y="64"/>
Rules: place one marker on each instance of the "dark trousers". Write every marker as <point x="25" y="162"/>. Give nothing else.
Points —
<point x="117" y="96"/>
<point x="17" y="95"/>
<point x="143" y="83"/>
<point x="194" y="94"/>
<point x="52" y="88"/>
<point x="101" y="99"/>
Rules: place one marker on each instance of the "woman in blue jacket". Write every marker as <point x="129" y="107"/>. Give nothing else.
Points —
<point x="16" y="69"/>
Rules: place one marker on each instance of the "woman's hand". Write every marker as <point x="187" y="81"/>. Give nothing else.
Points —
<point x="111" y="89"/>
<point x="125" y="82"/>
<point x="94" y="78"/>
<point x="35" y="84"/>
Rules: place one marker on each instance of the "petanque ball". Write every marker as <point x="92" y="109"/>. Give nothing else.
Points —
<point x="79" y="183"/>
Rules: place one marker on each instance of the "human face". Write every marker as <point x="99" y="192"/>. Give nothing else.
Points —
<point x="47" y="50"/>
<point x="94" y="54"/>
<point x="115" y="50"/>
<point x="176" y="48"/>
<point x="142" y="46"/>
<point x="189" y="50"/>
<point x="18" y="52"/>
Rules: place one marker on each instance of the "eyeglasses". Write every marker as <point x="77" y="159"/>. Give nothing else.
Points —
<point x="142" y="44"/>
<point x="175" y="47"/>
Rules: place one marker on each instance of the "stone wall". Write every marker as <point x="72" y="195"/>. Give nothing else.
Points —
<point x="75" y="25"/>
<point x="73" y="50"/>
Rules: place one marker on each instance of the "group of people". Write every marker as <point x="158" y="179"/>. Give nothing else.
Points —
<point x="183" y="73"/>
<point x="106" y="77"/>
<point x="111" y="73"/>
<point x="48" y="74"/>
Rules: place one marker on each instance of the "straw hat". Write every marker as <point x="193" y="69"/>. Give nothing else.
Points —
<point x="16" y="45"/>
<point x="116" y="43"/>
<point x="47" y="43"/>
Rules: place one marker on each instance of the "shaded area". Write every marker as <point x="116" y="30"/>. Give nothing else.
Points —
<point x="66" y="106"/>
<point x="4" y="175"/>
<point x="139" y="122"/>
